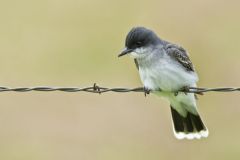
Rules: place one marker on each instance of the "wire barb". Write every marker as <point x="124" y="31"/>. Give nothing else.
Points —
<point x="97" y="89"/>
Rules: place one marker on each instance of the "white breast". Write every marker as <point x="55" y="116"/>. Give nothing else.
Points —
<point x="166" y="74"/>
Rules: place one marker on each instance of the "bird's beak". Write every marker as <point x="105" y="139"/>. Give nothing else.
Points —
<point x="125" y="51"/>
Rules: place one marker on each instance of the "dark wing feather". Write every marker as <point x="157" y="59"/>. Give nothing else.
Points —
<point x="180" y="55"/>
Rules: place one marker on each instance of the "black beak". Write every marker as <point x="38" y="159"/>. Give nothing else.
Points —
<point x="125" y="51"/>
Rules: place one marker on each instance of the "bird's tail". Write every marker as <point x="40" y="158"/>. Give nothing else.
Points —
<point x="190" y="126"/>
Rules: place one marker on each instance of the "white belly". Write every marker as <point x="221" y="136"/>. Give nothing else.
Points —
<point x="166" y="75"/>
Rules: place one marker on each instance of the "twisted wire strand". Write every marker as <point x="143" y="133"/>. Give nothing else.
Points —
<point x="97" y="89"/>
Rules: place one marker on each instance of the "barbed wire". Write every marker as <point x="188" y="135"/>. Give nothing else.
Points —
<point x="97" y="89"/>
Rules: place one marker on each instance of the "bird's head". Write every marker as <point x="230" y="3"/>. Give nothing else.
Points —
<point x="139" y="42"/>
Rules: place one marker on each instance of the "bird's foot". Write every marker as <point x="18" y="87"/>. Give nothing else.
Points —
<point x="184" y="89"/>
<point x="146" y="91"/>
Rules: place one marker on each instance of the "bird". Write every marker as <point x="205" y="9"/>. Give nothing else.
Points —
<point x="165" y="68"/>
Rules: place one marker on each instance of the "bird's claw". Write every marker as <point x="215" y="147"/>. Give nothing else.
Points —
<point x="184" y="89"/>
<point x="146" y="91"/>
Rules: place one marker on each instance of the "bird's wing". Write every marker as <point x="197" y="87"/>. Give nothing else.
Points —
<point x="180" y="55"/>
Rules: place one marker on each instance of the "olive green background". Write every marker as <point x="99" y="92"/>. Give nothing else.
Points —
<point x="75" y="43"/>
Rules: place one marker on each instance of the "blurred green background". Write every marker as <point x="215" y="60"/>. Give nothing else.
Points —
<point x="75" y="43"/>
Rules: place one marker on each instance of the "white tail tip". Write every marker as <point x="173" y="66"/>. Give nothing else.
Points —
<point x="194" y="135"/>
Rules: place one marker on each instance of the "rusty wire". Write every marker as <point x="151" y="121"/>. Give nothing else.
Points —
<point x="97" y="89"/>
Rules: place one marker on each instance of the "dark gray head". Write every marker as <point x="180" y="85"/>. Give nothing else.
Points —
<point x="138" y="40"/>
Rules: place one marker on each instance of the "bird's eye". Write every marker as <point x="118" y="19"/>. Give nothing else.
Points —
<point x="138" y="43"/>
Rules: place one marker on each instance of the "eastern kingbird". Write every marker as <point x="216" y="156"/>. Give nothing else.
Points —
<point x="165" y="68"/>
